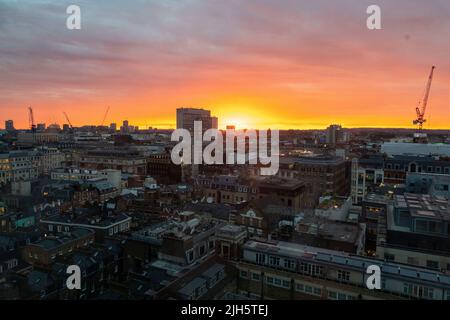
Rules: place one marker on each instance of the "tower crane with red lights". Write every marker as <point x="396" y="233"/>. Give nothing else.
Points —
<point x="422" y="107"/>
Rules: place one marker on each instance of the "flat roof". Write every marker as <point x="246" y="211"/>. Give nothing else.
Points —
<point x="424" y="206"/>
<point x="341" y="258"/>
<point x="51" y="242"/>
<point x="88" y="221"/>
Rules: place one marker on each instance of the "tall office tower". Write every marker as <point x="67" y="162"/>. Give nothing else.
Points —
<point x="113" y="127"/>
<point x="125" y="126"/>
<point x="9" y="125"/>
<point x="214" y="123"/>
<point x="187" y="116"/>
<point x="334" y="133"/>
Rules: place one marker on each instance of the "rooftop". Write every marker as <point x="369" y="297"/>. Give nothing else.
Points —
<point x="319" y="160"/>
<point x="424" y="206"/>
<point x="86" y="220"/>
<point x="331" y="230"/>
<point x="277" y="182"/>
<point x="53" y="242"/>
<point x="345" y="259"/>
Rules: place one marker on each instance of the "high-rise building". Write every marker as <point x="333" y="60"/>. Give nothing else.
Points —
<point x="125" y="126"/>
<point x="113" y="127"/>
<point x="187" y="116"/>
<point x="214" y="122"/>
<point x="9" y="125"/>
<point x="334" y="134"/>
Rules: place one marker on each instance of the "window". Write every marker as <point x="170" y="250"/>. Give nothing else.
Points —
<point x="244" y="274"/>
<point x="190" y="255"/>
<point x="277" y="281"/>
<point x="332" y="295"/>
<point x="317" y="291"/>
<point x="274" y="261"/>
<point x="289" y="264"/>
<point x="389" y="257"/>
<point x="407" y="288"/>
<point x="342" y="296"/>
<point x="343" y="275"/>
<point x="428" y="293"/>
<point x="256" y="276"/>
<point x="418" y="291"/>
<point x="286" y="284"/>
<point x="269" y="280"/>
<point x="383" y="283"/>
<point x="311" y="269"/>
<point x="260" y="258"/>
<point x="300" y="287"/>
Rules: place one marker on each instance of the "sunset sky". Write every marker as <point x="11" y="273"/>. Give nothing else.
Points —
<point x="254" y="63"/>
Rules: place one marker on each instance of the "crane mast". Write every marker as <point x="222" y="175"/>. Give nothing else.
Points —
<point x="31" y="119"/>
<point x="104" y="117"/>
<point x="422" y="107"/>
<point x="68" y="120"/>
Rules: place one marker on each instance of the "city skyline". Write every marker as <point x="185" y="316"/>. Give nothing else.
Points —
<point x="211" y="158"/>
<point x="318" y="65"/>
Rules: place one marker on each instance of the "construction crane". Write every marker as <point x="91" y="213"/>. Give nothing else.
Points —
<point x="104" y="117"/>
<point x="422" y="107"/>
<point x="68" y="120"/>
<point x="31" y="119"/>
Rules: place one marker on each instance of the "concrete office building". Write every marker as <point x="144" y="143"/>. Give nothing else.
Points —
<point x="283" y="270"/>
<point x="416" y="231"/>
<point x="9" y="125"/>
<point x="187" y="116"/>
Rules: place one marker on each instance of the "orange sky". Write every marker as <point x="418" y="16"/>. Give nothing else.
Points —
<point x="284" y="64"/>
